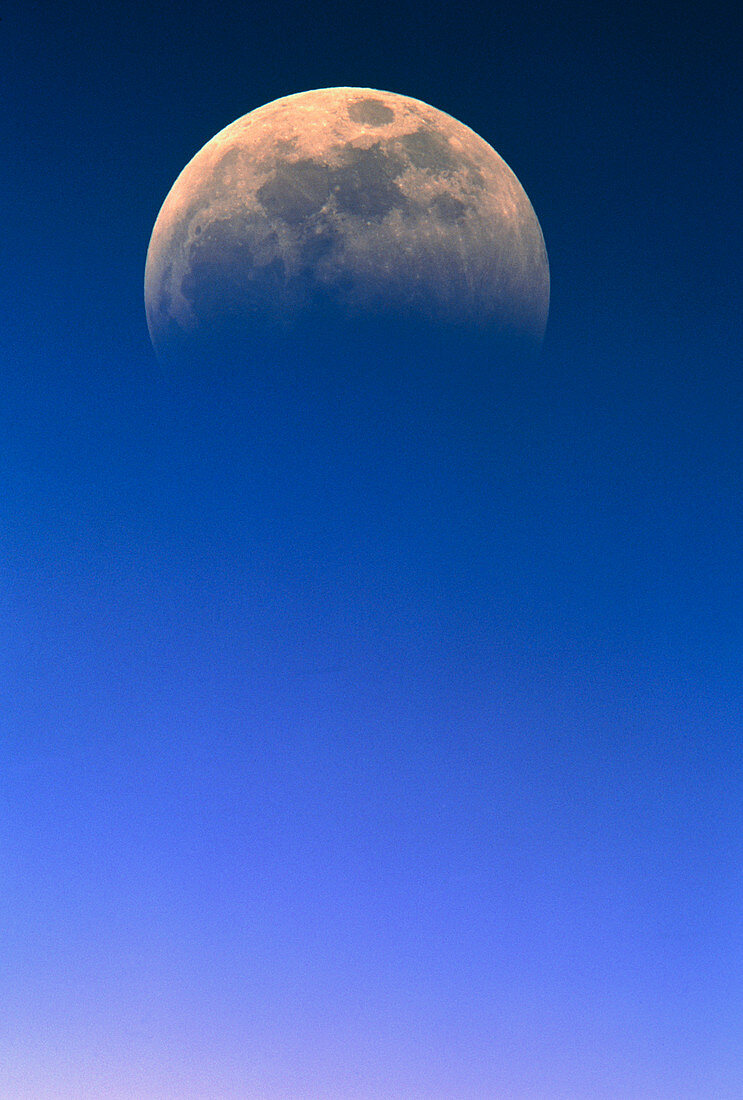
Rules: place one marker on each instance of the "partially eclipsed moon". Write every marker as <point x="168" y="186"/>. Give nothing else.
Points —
<point x="351" y="204"/>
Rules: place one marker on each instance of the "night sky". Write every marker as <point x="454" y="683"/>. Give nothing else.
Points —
<point x="375" y="738"/>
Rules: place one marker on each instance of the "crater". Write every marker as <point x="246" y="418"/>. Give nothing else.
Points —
<point x="371" y="112"/>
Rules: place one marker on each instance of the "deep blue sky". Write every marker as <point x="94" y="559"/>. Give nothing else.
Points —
<point x="397" y="756"/>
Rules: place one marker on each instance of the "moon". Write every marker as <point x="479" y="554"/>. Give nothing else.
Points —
<point x="344" y="205"/>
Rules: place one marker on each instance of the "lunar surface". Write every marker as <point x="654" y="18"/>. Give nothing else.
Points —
<point x="344" y="205"/>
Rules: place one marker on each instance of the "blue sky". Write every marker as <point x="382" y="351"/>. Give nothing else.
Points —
<point x="389" y="747"/>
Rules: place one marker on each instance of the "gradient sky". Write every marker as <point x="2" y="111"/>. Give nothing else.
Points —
<point x="396" y="756"/>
